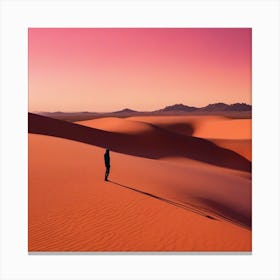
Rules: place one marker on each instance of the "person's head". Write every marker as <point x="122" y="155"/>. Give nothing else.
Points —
<point x="107" y="151"/>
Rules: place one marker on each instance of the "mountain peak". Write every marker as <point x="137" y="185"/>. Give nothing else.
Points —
<point x="125" y="111"/>
<point x="225" y="107"/>
<point x="179" y="108"/>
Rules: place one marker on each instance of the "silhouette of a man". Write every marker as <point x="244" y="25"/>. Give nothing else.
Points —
<point x="107" y="163"/>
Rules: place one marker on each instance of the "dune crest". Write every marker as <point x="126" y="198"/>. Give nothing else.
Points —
<point x="120" y="125"/>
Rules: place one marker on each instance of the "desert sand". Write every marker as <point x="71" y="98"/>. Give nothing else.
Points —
<point x="158" y="198"/>
<point x="232" y="134"/>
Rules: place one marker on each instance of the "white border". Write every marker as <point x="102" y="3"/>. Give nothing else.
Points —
<point x="17" y="16"/>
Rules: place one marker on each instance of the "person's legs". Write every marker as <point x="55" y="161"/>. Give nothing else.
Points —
<point x="107" y="173"/>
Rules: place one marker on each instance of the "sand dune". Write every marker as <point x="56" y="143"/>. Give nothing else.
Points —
<point x="169" y="190"/>
<point x="208" y="127"/>
<point x="149" y="205"/>
<point x="241" y="146"/>
<point x="153" y="143"/>
<point x="132" y="124"/>
<point x="224" y="129"/>
<point x="119" y="125"/>
<point x="231" y="134"/>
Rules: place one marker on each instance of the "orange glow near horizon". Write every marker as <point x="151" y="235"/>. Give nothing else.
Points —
<point x="108" y="69"/>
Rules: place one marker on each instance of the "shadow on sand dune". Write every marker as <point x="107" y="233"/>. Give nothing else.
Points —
<point x="226" y="212"/>
<point x="223" y="213"/>
<point x="180" y="205"/>
<point x="153" y="144"/>
<point x="180" y="128"/>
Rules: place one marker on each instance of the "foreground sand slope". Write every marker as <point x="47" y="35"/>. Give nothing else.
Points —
<point x="71" y="208"/>
<point x="230" y="132"/>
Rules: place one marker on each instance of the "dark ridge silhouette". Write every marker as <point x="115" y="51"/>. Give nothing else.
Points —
<point x="178" y="108"/>
<point x="153" y="144"/>
<point x="237" y="110"/>
<point x="216" y="107"/>
<point x="125" y="111"/>
<point x="222" y="107"/>
<point x="222" y="213"/>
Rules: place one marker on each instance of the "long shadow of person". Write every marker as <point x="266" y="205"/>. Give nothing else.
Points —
<point x="174" y="203"/>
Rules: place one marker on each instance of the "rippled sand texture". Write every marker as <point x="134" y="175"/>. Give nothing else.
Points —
<point x="157" y="199"/>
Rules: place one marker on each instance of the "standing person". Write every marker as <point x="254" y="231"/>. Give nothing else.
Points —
<point x="107" y="163"/>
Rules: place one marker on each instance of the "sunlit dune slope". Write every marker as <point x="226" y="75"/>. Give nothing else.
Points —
<point x="149" y="205"/>
<point x="224" y="128"/>
<point x="232" y="134"/>
<point x="120" y="125"/>
<point x="137" y="124"/>
<point x="208" y="127"/>
<point x="241" y="146"/>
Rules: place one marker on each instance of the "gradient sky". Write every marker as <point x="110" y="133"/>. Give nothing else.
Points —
<point x="107" y="69"/>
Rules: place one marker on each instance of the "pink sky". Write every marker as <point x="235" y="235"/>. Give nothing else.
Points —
<point x="107" y="69"/>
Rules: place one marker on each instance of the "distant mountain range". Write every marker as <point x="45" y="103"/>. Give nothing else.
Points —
<point x="178" y="108"/>
<point x="216" y="109"/>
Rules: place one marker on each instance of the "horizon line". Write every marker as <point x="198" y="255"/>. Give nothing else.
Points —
<point x="127" y="108"/>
